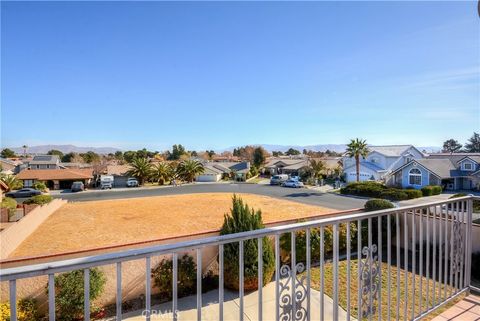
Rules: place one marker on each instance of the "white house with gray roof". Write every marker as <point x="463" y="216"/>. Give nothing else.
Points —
<point x="380" y="162"/>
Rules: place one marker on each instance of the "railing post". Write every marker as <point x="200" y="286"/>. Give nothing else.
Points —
<point x="468" y="249"/>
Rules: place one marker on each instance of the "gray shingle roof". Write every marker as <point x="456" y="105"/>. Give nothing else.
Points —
<point x="441" y="167"/>
<point x="390" y="150"/>
<point x="456" y="157"/>
<point x="45" y="159"/>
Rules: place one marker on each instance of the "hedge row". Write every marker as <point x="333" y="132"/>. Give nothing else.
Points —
<point x="378" y="190"/>
<point x="39" y="200"/>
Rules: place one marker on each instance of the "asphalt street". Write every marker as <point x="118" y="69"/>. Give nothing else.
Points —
<point x="302" y="195"/>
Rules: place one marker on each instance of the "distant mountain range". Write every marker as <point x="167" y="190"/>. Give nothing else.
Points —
<point x="43" y="149"/>
<point x="339" y="148"/>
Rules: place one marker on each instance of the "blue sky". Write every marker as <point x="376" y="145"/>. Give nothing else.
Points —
<point x="221" y="74"/>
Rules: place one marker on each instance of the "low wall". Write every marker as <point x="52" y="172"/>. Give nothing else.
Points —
<point x="433" y="224"/>
<point x="11" y="237"/>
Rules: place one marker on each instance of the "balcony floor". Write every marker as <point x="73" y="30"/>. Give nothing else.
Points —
<point x="466" y="310"/>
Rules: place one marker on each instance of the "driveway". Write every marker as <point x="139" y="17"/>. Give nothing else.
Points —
<point x="301" y="195"/>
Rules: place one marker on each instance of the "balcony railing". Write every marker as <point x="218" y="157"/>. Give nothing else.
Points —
<point x="405" y="262"/>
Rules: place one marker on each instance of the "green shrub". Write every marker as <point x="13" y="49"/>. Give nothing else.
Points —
<point x="301" y="245"/>
<point x="39" y="200"/>
<point x="26" y="310"/>
<point x="368" y="189"/>
<point x="413" y="193"/>
<point x="69" y="296"/>
<point x="377" y="204"/>
<point x="162" y="276"/>
<point x="40" y="186"/>
<point x="431" y="190"/>
<point x="10" y="204"/>
<point x="393" y="194"/>
<point x="242" y="219"/>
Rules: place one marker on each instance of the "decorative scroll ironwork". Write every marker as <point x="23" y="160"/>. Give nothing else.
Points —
<point x="370" y="280"/>
<point x="287" y="310"/>
<point x="458" y="246"/>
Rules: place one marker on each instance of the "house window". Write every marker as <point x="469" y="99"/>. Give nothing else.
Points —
<point x="415" y="177"/>
<point x="467" y="166"/>
<point x="28" y="183"/>
<point x="407" y="159"/>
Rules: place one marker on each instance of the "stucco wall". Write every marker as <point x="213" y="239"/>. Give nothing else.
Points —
<point x="16" y="233"/>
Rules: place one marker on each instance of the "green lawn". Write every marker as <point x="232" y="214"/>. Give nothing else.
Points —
<point x="343" y="284"/>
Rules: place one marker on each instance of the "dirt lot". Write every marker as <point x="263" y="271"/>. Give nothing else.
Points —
<point x="88" y="225"/>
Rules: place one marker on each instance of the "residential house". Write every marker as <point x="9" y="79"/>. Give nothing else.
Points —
<point x="284" y="165"/>
<point x="215" y="171"/>
<point x="380" y="162"/>
<point x="452" y="171"/>
<point x="60" y="178"/>
<point x="44" y="162"/>
<point x="119" y="173"/>
<point x="9" y="166"/>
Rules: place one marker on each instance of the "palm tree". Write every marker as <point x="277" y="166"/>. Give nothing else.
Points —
<point x="357" y="148"/>
<point x="162" y="172"/>
<point x="11" y="181"/>
<point x="317" y="168"/>
<point x="141" y="169"/>
<point x="189" y="169"/>
<point x="25" y="147"/>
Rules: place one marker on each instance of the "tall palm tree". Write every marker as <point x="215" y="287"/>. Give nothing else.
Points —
<point x="162" y="172"/>
<point x="141" y="169"/>
<point x="190" y="168"/>
<point x="318" y="167"/>
<point x="357" y="148"/>
<point x="25" y="147"/>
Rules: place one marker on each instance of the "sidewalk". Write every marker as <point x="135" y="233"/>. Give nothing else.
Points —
<point x="231" y="307"/>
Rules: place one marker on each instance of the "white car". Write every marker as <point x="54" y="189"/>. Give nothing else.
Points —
<point x="292" y="183"/>
<point x="132" y="182"/>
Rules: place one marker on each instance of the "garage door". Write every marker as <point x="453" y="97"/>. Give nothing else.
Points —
<point x="208" y="178"/>
<point x="120" y="181"/>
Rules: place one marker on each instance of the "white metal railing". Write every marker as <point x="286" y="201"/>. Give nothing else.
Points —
<point x="436" y="242"/>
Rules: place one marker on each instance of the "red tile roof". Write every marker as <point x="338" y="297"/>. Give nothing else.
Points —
<point x="55" y="174"/>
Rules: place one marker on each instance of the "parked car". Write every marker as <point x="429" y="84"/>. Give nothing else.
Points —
<point x="132" y="182"/>
<point x="24" y="192"/>
<point x="278" y="179"/>
<point x="292" y="183"/>
<point x="78" y="187"/>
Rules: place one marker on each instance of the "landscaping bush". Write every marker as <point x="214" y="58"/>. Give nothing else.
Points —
<point x="393" y="194"/>
<point x="40" y="186"/>
<point x="26" y="310"/>
<point x="413" y="193"/>
<point x="162" y="276"/>
<point x="69" y="296"/>
<point x="431" y="190"/>
<point x="10" y="204"/>
<point x="301" y="245"/>
<point x="39" y="200"/>
<point x="242" y="219"/>
<point x="368" y="189"/>
<point x="377" y="204"/>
